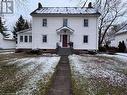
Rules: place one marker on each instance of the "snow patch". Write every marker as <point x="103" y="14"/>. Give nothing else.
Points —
<point x="94" y="67"/>
<point x="46" y="66"/>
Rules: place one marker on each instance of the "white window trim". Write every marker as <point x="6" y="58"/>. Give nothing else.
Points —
<point x="83" y="39"/>
<point x="22" y="40"/>
<point x="29" y="38"/>
<point x="46" y="39"/>
<point x="83" y="23"/>
<point x="46" y="22"/>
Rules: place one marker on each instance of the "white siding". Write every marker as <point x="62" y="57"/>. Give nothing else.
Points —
<point x="24" y="45"/>
<point x="54" y="23"/>
<point x="6" y="44"/>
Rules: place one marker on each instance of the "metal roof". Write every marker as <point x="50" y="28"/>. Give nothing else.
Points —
<point x="66" y="11"/>
<point x="26" y="30"/>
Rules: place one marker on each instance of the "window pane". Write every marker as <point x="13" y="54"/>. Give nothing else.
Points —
<point x="30" y="38"/>
<point x="85" y="22"/>
<point x="26" y="39"/>
<point x="65" y="21"/>
<point x="44" y="22"/>
<point x="85" y="39"/>
<point x="21" y="38"/>
<point x="44" y="38"/>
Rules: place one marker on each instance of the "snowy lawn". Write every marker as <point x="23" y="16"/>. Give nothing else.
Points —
<point x="26" y="75"/>
<point x="98" y="75"/>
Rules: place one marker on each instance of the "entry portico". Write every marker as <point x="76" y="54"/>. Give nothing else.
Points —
<point x="64" y="34"/>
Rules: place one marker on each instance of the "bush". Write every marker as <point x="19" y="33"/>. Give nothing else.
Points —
<point x="36" y="51"/>
<point x="102" y="49"/>
<point x="108" y="49"/>
<point x="92" y="52"/>
<point x="121" y="47"/>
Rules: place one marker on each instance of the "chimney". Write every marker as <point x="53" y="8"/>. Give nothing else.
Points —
<point x="90" y="5"/>
<point x="39" y="5"/>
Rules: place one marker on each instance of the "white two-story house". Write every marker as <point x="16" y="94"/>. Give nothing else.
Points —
<point x="51" y="25"/>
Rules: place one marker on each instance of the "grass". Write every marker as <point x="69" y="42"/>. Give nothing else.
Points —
<point x="93" y="85"/>
<point x="11" y="81"/>
<point x="120" y="63"/>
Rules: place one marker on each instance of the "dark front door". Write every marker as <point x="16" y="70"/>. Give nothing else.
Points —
<point x="64" y="40"/>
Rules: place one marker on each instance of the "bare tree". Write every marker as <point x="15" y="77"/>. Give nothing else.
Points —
<point x="111" y="11"/>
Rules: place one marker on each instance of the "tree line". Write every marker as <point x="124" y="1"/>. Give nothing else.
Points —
<point x="21" y="24"/>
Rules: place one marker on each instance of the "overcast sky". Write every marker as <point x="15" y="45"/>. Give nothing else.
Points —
<point x="30" y="5"/>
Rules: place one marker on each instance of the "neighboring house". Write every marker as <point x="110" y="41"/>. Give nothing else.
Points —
<point x="7" y="42"/>
<point x="52" y="25"/>
<point x="119" y="36"/>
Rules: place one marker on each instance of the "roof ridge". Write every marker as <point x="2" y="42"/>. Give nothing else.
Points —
<point x="64" y="7"/>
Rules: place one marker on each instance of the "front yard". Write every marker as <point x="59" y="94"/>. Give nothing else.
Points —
<point x="22" y="74"/>
<point x="99" y="75"/>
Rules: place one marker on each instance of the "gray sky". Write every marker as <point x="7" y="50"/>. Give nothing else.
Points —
<point x="30" y="5"/>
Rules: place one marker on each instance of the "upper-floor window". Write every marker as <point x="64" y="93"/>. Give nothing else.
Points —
<point x="85" y="39"/>
<point x="44" y="38"/>
<point x="65" y="22"/>
<point x="30" y="38"/>
<point x="85" y="22"/>
<point x="26" y="39"/>
<point x="21" y="38"/>
<point x="44" y="23"/>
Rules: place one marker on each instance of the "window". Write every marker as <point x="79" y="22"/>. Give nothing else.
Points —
<point x="65" y="21"/>
<point x="26" y="39"/>
<point x="44" y="22"/>
<point x="44" y="39"/>
<point x="21" y="38"/>
<point x="85" y="38"/>
<point x="30" y="38"/>
<point x="86" y="22"/>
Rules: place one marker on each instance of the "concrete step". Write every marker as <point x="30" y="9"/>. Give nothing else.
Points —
<point x="64" y="51"/>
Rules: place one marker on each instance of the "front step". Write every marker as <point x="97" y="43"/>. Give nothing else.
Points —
<point x="64" y="51"/>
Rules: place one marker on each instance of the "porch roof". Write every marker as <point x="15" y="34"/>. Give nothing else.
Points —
<point x="65" y="30"/>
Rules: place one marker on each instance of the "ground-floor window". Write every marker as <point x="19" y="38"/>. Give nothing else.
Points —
<point x="30" y="38"/>
<point x="21" y="38"/>
<point x="85" y="39"/>
<point x="26" y="38"/>
<point x="44" y="38"/>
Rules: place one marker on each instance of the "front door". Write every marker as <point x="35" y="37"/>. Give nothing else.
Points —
<point x="64" y="40"/>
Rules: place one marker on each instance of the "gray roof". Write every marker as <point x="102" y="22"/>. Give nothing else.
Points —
<point x="65" y="11"/>
<point x="26" y="30"/>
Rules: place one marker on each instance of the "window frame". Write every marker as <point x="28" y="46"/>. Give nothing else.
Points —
<point x="65" y="22"/>
<point x="86" y="22"/>
<point x="20" y="38"/>
<point x="44" y="22"/>
<point x="44" y="38"/>
<point x="30" y="40"/>
<point x="85" y="40"/>
<point x="25" y="38"/>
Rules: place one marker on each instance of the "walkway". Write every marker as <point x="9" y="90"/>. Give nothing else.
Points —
<point x="61" y="81"/>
